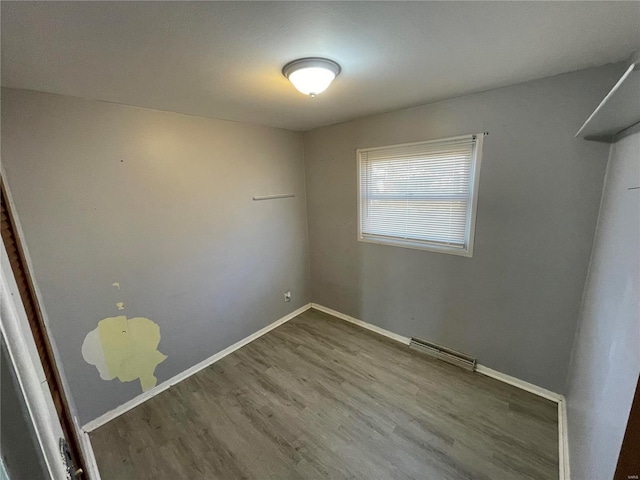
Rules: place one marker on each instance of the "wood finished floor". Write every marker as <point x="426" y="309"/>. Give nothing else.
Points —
<point x="321" y="398"/>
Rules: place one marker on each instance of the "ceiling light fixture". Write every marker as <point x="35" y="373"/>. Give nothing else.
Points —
<point x="311" y="76"/>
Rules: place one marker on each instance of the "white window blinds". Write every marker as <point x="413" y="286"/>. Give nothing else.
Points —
<point x="420" y="195"/>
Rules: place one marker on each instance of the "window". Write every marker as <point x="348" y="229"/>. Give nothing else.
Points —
<point x="420" y="195"/>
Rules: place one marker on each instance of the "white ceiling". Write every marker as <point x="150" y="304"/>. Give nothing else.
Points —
<point x="224" y="59"/>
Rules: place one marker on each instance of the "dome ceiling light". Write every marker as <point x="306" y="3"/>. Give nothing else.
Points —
<point x="311" y="76"/>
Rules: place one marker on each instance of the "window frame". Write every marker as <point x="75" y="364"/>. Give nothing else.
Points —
<point x="472" y="206"/>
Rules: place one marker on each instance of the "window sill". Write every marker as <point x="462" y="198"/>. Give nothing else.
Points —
<point x="462" y="252"/>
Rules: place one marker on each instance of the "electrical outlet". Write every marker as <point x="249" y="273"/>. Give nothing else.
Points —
<point x="287" y="296"/>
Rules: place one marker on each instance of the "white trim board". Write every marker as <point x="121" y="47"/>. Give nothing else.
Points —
<point x="563" y="434"/>
<point x="563" y="437"/>
<point x="363" y="324"/>
<point x="516" y="382"/>
<point x="89" y="456"/>
<point x="563" y="440"/>
<point x="46" y="427"/>
<point x="143" y="397"/>
<point x="529" y="387"/>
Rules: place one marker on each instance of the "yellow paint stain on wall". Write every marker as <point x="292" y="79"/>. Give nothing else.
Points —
<point x="120" y="305"/>
<point x="126" y="349"/>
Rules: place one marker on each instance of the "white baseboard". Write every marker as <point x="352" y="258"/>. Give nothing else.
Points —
<point x="360" y="323"/>
<point x="563" y="439"/>
<point x="89" y="458"/>
<point x="516" y="382"/>
<point x="134" y="402"/>
<point x="563" y="436"/>
<point x="90" y="463"/>
<point x="563" y="444"/>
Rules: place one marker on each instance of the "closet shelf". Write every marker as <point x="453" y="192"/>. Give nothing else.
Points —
<point x="619" y="110"/>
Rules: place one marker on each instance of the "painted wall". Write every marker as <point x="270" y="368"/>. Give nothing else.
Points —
<point x="515" y="304"/>
<point x="605" y="362"/>
<point x="160" y="203"/>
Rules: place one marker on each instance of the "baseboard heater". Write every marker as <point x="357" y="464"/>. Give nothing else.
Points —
<point x="444" y="354"/>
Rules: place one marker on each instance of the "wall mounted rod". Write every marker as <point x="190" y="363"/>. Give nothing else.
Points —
<point x="273" y="197"/>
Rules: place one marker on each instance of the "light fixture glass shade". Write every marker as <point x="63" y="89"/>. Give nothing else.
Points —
<point x="311" y="81"/>
<point x="311" y="75"/>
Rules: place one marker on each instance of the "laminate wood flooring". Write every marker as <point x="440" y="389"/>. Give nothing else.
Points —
<point x="321" y="398"/>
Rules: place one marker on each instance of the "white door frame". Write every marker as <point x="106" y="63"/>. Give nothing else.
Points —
<point x="35" y="390"/>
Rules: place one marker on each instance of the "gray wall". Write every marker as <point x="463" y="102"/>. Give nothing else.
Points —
<point x="605" y="363"/>
<point x="514" y="305"/>
<point x="19" y="445"/>
<point x="161" y="203"/>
